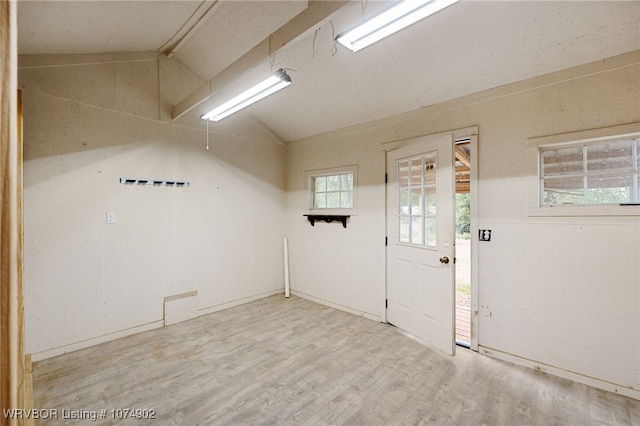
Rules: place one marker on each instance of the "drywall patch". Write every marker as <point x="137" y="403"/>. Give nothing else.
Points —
<point x="180" y="307"/>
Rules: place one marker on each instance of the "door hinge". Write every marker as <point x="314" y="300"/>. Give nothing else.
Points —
<point x="386" y="241"/>
<point x="386" y="303"/>
<point x="386" y="178"/>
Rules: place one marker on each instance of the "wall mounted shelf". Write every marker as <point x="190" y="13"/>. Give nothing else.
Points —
<point x="313" y="218"/>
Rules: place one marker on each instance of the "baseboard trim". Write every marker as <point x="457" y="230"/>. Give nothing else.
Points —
<point x="320" y="301"/>
<point x="565" y="374"/>
<point x="50" y="353"/>
<point x="226" y="305"/>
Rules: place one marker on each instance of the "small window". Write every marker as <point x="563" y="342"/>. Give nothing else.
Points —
<point x="595" y="173"/>
<point x="333" y="190"/>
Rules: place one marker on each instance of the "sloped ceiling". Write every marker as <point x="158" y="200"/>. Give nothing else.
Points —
<point x="469" y="47"/>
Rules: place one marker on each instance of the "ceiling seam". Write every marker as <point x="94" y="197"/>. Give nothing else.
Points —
<point x="82" y="59"/>
<point x="171" y="123"/>
<point x="117" y="28"/>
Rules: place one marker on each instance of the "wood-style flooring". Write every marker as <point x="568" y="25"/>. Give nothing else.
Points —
<point x="294" y="362"/>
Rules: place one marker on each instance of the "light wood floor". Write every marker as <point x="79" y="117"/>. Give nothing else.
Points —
<point x="292" y="361"/>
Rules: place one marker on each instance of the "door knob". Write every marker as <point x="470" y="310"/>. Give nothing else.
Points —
<point x="444" y="260"/>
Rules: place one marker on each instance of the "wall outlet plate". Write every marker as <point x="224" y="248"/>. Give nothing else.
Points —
<point x="111" y="218"/>
<point x="484" y="235"/>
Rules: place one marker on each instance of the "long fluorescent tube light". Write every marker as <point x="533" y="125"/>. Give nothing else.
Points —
<point x="277" y="81"/>
<point x="391" y="20"/>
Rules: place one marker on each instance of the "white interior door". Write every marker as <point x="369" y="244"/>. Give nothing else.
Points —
<point x="421" y="243"/>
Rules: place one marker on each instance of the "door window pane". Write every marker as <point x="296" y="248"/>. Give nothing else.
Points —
<point x="430" y="201"/>
<point x="416" y="171"/>
<point x="417" y="200"/>
<point x="403" y="231"/>
<point x="417" y="229"/>
<point x="430" y="172"/>
<point x="430" y="231"/>
<point x="404" y="201"/>
<point x="403" y="174"/>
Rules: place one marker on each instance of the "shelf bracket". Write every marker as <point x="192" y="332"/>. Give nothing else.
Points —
<point x="313" y="218"/>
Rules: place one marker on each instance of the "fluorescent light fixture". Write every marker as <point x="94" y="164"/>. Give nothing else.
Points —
<point x="391" y="20"/>
<point x="277" y="81"/>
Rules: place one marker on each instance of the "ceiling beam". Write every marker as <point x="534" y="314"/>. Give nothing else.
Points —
<point x="315" y="13"/>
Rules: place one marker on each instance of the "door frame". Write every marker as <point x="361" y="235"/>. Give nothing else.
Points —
<point x="473" y="231"/>
<point x="462" y="133"/>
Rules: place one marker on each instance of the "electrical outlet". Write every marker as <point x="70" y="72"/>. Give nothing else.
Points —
<point x="111" y="218"/>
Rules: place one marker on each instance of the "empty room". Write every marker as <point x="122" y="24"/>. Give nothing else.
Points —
<point x="320" y="212"/>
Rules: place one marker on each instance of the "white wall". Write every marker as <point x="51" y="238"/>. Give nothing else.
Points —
<point x="561" y="294"/>
<point x="328" y="263"/>
<point x="87" y="125"/>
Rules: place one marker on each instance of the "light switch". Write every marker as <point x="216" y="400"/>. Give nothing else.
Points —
<point x="111" y="217"/>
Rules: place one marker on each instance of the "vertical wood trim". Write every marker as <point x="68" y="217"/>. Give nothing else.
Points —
<point x="12" y="363"/>
<point x="24" y="362"/>
<point x="5" y="106"/>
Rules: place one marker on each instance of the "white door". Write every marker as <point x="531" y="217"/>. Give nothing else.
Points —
<point x="421" y="238"/>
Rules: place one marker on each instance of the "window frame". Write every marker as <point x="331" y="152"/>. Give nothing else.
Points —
<point x="535" y="149"/>
<point x="313" y="174"/>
